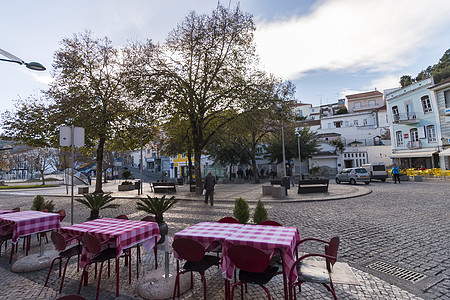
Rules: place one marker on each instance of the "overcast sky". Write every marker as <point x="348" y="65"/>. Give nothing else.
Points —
<point x="328" y="48"/>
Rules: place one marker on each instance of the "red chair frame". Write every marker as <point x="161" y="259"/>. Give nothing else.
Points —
<point x="331" y="253"/>
<point x="228" y="220"/>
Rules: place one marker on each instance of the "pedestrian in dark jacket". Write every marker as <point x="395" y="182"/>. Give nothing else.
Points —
<point x="210" y="182"/>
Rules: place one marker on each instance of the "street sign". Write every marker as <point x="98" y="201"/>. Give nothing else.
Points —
<point x="291" y="162"/>
<point x="65" y="135"/>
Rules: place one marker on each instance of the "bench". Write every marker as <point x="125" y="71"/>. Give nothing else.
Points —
<point x="163" y="187"/>
<point x="83" y="190"/>
<point x="313" y="186"/>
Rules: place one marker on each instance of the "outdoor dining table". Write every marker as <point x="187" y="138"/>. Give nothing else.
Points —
<point x="28" y="222"/>
<point x="121" y="233"/>
<point x="208" y="234"/>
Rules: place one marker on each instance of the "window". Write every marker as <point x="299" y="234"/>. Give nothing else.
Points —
<point x="365" y="122"/>
<point x="414" y="135"/>
<point x="357" y="105"/>
<point x="355" y="122"/>
<point x="399" y="138"/>
<point x="447" y="98"/>
<point x="329" y="125"/>
<point x="395" y="114"/>
<point x="338" y="124"/>
<point x="372" y="103"/>
<point x="300" y="113"/>
<point x="347" y="124"/>
<point x="426" y="104"/>
<point x="410" y="111"/>
<point x="431" y="134"/>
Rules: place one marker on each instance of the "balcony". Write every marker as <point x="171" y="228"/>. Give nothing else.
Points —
<point x="406" y="118"/>
<point x="414" y="145"/>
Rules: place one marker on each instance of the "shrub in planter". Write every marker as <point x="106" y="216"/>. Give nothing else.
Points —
<point x="40" y="204"/>
<point x="157" y="206"/>
<point x="260" y="213"/>
<point x="97" y="202"/>
<point x="241" y="211"/>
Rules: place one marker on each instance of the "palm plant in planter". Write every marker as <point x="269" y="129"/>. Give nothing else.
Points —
<point x="96" y="202"/>
<point x="157" y="206"/>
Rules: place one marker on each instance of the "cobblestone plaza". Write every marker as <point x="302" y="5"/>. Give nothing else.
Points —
<point x="404" y="226"/>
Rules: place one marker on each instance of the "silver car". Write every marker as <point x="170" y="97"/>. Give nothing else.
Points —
<point x="353" y="175"/>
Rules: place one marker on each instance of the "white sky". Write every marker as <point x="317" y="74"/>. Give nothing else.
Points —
<point x="328" y="48"/>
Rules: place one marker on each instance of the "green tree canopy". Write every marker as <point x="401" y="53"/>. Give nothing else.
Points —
<point x="205" y="67"/>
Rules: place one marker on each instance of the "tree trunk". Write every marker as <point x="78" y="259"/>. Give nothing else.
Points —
<point x="197" y="170"/>
<point x="255" y="169"/>
<point x="42" y="176"/>
<point x="98" y="181"/>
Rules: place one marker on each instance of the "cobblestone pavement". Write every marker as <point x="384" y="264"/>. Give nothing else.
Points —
<point x="404" y="225"/>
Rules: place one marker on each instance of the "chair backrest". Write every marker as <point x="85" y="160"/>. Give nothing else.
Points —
<point x="62" y="214"/>
<point x="45" y="210"/>
<point x="248" y="258"/>
<point x="123" y="217"/>
<point x="188" y="249"/>
<point x="270" y="222"/>
<point x="58" y="240"/>
<point x="16" y="209"/>
<point x="228" y="220"/>
<point x="332" y="250"/>
<point x="149" y="219"/>
<point x="91" y="244"/>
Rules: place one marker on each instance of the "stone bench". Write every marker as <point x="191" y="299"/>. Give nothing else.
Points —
<point x="313" y="186"/>
<point x="267" y="190"/>
<point x="164" y="187"/>
<point x="278" y="192"/>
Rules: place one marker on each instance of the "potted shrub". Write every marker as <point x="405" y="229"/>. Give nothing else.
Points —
<point x="260" y="213"/>
<point x="157" y="206"/>
<point x="40" y="204"/>
<point x="97" y="202"/>
<point x="126" y="185"/>
<point x="241" y="211"/>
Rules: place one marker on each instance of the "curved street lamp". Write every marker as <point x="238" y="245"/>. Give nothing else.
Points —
<point x="31" y="65"/>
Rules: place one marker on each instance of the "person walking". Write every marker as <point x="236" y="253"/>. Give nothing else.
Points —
<point x="289" y="173"/>
<point x="396" y="174"/>
<point x="210" y="182"/>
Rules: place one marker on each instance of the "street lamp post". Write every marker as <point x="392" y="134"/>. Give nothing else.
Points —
<point x="282" y="140"/>
<point x="12" y="58"/>
<point x="299" y="157"/>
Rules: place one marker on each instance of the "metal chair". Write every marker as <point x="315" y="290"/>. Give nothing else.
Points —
<point x="122" y="217"/>
<point x="93" y="246"/>
<point x="60" y="244"/>
<point x="228" y="220"/>
<point x="254" y="267"/>
<point x="315" y="271"/>
<point x="270" y="223"/>
<point x="196" y="261"/>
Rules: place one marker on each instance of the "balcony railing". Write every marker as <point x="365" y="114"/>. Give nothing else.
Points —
<point x="406" y="118"/>
<point x="414" y="145"/>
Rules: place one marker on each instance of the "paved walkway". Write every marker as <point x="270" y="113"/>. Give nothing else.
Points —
<point x="188" y="213"/>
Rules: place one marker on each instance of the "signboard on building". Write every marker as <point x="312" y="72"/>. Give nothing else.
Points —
<point x="406" y="135"/>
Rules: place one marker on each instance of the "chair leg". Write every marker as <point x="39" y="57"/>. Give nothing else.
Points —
<point x="83" y="275"/>
<point x="64" y="275"/>
<point x="117" y="277"/>
<point x="129" y="268"/>
<point x="99" y="280"/>
<point x="50" y="270"/>
<point x="12" y="252"/>
<point x="204" y="285"/>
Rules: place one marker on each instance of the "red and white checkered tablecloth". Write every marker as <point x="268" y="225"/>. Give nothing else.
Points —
<point x="29" y="222"/>
<point x="122" y="233"/>
<point x="207" y="233"/>
<point x="265" y="238"/>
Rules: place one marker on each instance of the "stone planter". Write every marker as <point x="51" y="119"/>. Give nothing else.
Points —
<point x="126" y="187"/>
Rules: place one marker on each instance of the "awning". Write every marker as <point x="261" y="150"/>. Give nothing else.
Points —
<point x="445" y="152"/>
<point x="412" y="154"/>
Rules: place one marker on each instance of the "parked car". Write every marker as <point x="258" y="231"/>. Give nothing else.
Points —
<point x="376" y="171"/>
<point x="353" y="175"/>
